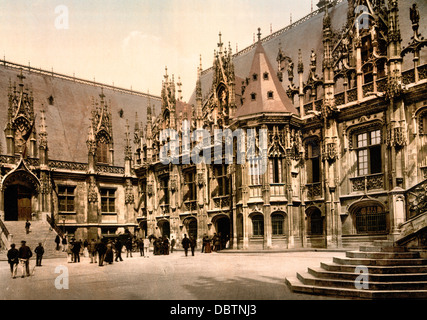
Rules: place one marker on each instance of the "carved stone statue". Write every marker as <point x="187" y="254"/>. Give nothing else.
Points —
<point x="414" y="15"/>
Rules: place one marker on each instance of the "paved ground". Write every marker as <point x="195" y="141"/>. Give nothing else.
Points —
<point x="214" y="276"/>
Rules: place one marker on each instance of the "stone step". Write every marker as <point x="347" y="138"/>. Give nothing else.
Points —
<point x="297" y="286"/>
<point x="383" y="249"/>
<point x="398" y="277"/>
<point x="382" y="255"/>
<point x="336" y="267"/>
<point x="379" y="262"/>
<point x="308" y="279"/>
<point x="383" y="243"/>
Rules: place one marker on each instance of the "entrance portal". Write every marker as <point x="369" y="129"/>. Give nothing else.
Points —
<point x="223" y="230"/>
<point x="17" y="203"/>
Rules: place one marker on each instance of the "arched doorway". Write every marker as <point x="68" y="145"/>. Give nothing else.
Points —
<point x="20" y="188"/>
<point x="17" y="203"/>
<point x="222" y="226"/>
<point x="191" y="227"/>
<point x="164" y="226"/>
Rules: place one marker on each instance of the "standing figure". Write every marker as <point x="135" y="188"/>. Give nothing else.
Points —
<point x="57" y="241"/>
<point x="27" y="227"/>
<point x="92" y="251"/>
<point x="146" y="247"/>
<point x="141" y="247"/>
<point x="64" y="243"/>
<point x="24" y="258"/>
<point x="172" y="244"/>
<point x="192" y="244"/>
<point x="101" y="249"/>
<point x="12" y="258"/>
<point x="118" y="247"/>
<point x="76" y="251"/>
<point x="39" y="254"/>
<point x="185" y="244"/>
<point x="204" y="241"/>
<point x="166" y="245"/>
<point x="129" y="247"/>
<point x="109" y="254"/>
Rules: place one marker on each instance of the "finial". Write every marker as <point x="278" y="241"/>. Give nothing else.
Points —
<point x="220" y="42"/>
<point x="102" y="96"/>
<point x="259" y="34"/>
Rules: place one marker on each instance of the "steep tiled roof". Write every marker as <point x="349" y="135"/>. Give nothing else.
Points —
<point x="264" y="93"/>
<point x="68" y="116"/>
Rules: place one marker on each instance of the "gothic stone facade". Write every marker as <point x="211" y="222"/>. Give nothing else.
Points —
<point x="345" y="144"/>
<point x="345" y="153"/>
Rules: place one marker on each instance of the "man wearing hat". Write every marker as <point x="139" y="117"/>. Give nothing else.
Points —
<point x="24" y="258"/>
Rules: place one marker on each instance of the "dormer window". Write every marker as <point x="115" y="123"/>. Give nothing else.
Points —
<point x="254" y="77"/>
<point x="265" y="75"/>
<point x="253" y="96"/>
<point x="270" y="95"/>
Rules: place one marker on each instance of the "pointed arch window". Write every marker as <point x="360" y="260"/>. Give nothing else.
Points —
<point x="102" y="150"/>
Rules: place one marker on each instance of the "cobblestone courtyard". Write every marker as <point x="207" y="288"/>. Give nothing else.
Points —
<point x="215" y="276"/>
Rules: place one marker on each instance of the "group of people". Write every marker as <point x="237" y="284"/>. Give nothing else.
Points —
<point x="109" y="250"/>
<point x="106" y="250"/>
<point x="162" y="246"/>
<point x="22" y="257"/>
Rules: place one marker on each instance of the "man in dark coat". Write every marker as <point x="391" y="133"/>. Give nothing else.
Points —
<point x="118" y="247"/>
<point x="101" y="248"/>
<point x="39" y="254"/>
<point x="76" y="251"/>
<point x="24" y="256"/>
<point x="27" y="227"/>
<point x="12" y="258"/>
<point x="57" y="241"/>
<point x="141" y="246"/>
<point x="128" y="247"/>
<point x="185" y="244"/>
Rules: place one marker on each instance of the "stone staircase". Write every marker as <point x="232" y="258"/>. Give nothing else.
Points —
<point x="392" y="273"/>
<point x="40" y="231"/>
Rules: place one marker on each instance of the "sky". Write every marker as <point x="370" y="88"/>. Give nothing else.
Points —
<point x="129" y="43"/>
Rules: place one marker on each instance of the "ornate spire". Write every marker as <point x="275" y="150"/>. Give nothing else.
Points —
<point x="43" y="133"/>
<point x="179" y="84"/>
<point x="136" y="135"/>
<point x="128" y="147"/>
<point x="91" y="141"/>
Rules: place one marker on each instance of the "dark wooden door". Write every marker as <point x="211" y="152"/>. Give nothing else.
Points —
<point x="24" y="204"/>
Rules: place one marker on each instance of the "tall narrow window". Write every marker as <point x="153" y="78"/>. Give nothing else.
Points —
<point x="108" y="201"/>
<point x="313" y="162"/>
<point x="254" y="172"/>
<point x="190" y="185"/>
<point x="369" y="152"/>
<point x="258" y="225"/>
<point x="222" y="180"/>
<point x="102" y="151"/>
<point x="164" y="186"/>
<point x="276" y="170"/>
<point x="66" y="198"/>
